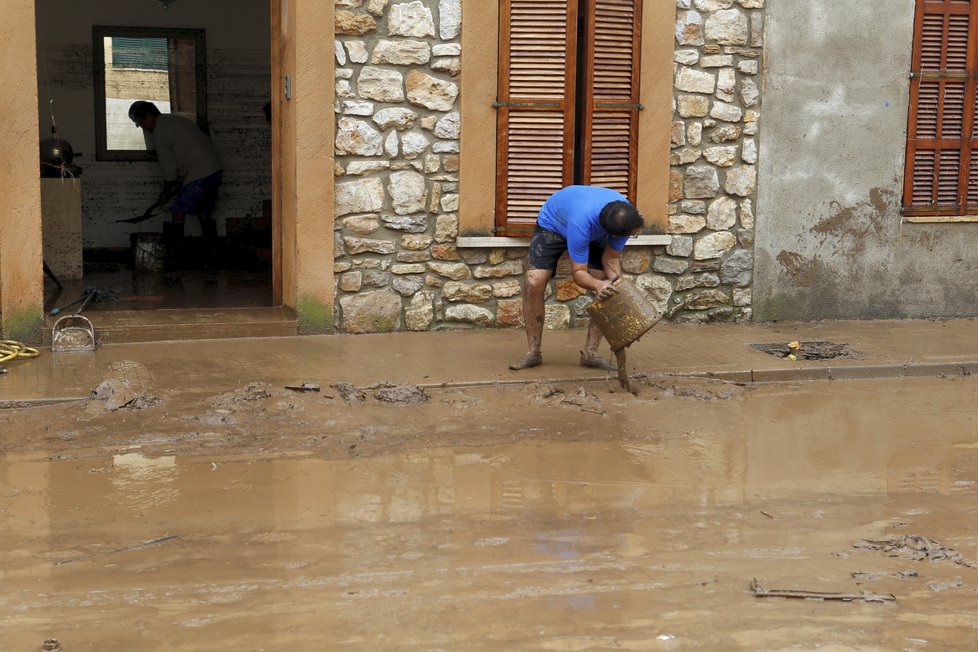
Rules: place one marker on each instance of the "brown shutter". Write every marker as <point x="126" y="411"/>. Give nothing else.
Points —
<point x="940" y="160"/>
<point x="535" y="123"/>
<point x="611" y="95"/>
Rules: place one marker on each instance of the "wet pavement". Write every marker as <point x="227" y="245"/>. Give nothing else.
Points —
<point x="550" y="511"/>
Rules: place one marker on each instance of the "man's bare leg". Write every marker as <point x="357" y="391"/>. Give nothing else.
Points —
<point x="589" y="356"/>
<point x="533" y="291"/>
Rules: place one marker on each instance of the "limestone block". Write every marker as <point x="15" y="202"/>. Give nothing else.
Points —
<point x="446" y="228"/>
<point x="417" y="223"/>
<point x="657" y="288"/>
<point x="360" y="196"/>
<point x="339" y="52"/>
<point x="454" y="271"/>
<point x="468" y="313"/>
<point x="430" y="92"/>
<point x="717" y="61"/>
<point x="401" y="53"/>
<point x="692" y="106"/>
<point x="348" y="22"/>
<point x="748" y="67"/>
<point x="403" y="270"/>
<point x="358" y="138"/>
<point x="448" y="126"/>
<point x="689" y="28"/>
<point x="741" y="181"/>
<point x="748" y="152"/>
<point x="636" y="260"/>
<point x="684" y="156"/>
<point x="375" y="278"/>
<point x="450" y="65"/>
<point x="701" y="182"/>
<point x="381" y="84"/>
<point x="357" y="107"/>
<point x="449" y="18"/>
<point x="447" y="49"/>
<point x="714" y="245"/>
<point x="366" y="167"/>
<point x="391" y="146"/>
<point x="747" y="214"/>
<point x="727" y="27"/>
<point x="509" y="312"/>
<point x="376" y="7"/>
<point x="396" y="117"/>
<point x="724" y="133"/>
<point x="361" y="224"/>
<point x="445" y="252"/>
<point x="378" y="311"/>
<point x="506" y="288"/>
<point x="410" y="19"/>
<point x="706" y="299"/>
<point x="413" y="144"/>
<point x="737" y="268"/>
<point x="420" y="313"/>
<point x="681" y="246"/>
<point x="665" y="265"/>
<point x="365" y="245"/>
<point x="682" y="223"/>
<point x="726" y="112"/>
<point x="567" y="289"/>
<point x="408" y="192"/>
<point x="712" y="5"/>
<point x="415" y="242"/>
<point x="749" y="93"/>
<point x="684" y="283"/>
<point x="742" y="297"/>
<point x="686" y="57"/>
<point x="508" y="268"/>
<point x="691" y="80"/>
<point x="357" y="51"/>
<point x="407" y="285"/>
<point x="467" y="292"/>
<point x="556" y="317"/>
<point x="722" y="215"/>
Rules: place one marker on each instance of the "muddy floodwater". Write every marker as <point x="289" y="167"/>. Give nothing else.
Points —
<point x="524" y="517"/>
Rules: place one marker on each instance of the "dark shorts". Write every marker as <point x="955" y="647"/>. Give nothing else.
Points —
<point x="546" y="248"/>
<point x="198" y="197"/>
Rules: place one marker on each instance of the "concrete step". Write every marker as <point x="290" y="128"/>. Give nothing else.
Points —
<point x="122" y="326"/>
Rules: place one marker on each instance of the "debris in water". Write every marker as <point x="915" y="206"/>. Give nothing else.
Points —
<point x="116" y="394"/>
<point x="349" y="393"/>
<point x="136" y="546"/>
<point x="51" y="645"/>
<point x="250" y="392"/>
<point x="814" y="350"/>
<point x="304" y="387"/>
<point x="760" y="592"/>
<point x="402" y="394"/>
<point x="916" y="548"/>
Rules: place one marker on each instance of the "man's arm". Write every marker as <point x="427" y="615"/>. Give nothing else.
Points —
<point x="602" y="288"/>
<point x="611" y="261"/>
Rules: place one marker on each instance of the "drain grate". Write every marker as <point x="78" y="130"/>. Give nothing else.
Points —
<point x="815" y="350"/>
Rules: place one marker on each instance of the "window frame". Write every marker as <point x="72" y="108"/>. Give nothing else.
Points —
<point x="99" y="33"/>
<point x="967" y="148"/>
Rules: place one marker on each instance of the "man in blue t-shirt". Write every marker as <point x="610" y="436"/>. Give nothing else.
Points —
<point x="592" y="225"/>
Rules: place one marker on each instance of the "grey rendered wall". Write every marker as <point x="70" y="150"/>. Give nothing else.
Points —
<point x="830" y="242"/>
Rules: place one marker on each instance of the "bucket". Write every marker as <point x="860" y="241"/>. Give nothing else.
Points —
<point x="624" y="317"/>
<point x="148" y="252"/>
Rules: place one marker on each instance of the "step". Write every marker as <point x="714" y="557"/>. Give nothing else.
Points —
<point x="121" y="326"/>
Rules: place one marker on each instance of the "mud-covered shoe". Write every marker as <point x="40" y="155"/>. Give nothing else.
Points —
<point x="596" y="362"/>
<point x="527" y="361"/>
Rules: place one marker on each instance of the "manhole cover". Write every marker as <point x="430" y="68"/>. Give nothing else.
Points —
<point x="816" y="350"/>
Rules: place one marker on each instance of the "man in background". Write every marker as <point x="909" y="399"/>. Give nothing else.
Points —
<point x="191" y="171"/>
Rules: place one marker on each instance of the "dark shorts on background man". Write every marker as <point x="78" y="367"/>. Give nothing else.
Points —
<point x="198" y="197"/>
<point x="546" y="248"/>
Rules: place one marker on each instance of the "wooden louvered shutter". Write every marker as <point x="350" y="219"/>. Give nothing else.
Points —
<point x="942" y="170"/>
<point x="611" y="95"/>
<point x="535" y="124"/>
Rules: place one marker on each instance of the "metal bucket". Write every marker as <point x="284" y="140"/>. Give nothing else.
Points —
<point x="624" y="317"/>
<point x="73" y="333"/>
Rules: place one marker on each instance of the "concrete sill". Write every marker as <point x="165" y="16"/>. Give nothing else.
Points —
<point x="482" y="242"/>
<point x="939" y="219"/>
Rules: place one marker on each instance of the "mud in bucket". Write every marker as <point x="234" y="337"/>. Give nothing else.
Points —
<point x="623" y="318"/>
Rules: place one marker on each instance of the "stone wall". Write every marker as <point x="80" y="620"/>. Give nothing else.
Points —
<point x="397" y="160"/>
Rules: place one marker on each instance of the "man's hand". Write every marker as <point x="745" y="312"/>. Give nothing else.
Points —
<point x="170" y="188"/>
<point x="604" y="290"/>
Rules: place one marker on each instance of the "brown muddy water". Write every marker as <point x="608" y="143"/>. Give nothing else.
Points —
<point x="540" y="517"/>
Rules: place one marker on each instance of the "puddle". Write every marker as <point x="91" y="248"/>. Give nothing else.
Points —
<point x="567" y="540"/>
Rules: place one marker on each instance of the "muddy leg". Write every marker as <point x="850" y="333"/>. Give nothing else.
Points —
<point x="535" y="288"/>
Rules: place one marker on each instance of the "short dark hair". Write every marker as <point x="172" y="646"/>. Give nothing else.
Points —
<point x="139" y="110"/>
<point x="620" y="218"/>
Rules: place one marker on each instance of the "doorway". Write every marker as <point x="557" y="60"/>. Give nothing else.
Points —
<point x="103" y="226"/>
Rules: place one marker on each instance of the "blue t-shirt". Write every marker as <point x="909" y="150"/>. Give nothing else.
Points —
<point x="573" y="213"/>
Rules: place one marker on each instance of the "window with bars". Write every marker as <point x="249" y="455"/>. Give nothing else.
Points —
<point x="567" y="102"/>
<point x="942" y="158"/>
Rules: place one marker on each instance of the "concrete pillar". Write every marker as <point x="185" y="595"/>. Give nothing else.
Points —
<point x="21" y="258"/>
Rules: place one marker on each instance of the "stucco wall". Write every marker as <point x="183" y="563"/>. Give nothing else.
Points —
<point x="830" y="242"/>
<point x="238" y="78"/>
